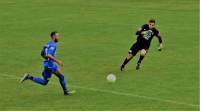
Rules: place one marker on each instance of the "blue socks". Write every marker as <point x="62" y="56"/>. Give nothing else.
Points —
<point x="44" y="82"/>
<point x="38" y="80"/>
<point x="63" y="82"/>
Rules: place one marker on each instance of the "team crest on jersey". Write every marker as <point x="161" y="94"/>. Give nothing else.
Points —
<point x="148" y="34"/>
<point x="51" y="48"/>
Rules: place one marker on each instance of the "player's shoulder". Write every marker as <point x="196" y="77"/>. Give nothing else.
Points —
<point x="145" y="26"/>
<point x="155" y="29"/>
<point x="51" y="44"/>
<point x="156" y="32"/>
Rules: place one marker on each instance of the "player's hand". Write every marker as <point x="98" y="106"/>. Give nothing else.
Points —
<point x="60" y="63"/>
<point x="144" y="32"/>
<point x="160" y="47"/>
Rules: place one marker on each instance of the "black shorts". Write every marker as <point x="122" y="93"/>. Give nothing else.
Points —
<point x="137" y="47"/>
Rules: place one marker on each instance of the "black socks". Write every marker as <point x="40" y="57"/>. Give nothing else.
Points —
<point x="140" y="59"/>
<point x="125" y="62"/>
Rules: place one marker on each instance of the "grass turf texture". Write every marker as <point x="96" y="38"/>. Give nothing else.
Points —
<point x="95" y="38"/>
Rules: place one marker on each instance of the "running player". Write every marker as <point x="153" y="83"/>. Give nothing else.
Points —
<point x="144" y="36"/>
<point x="50" y="65"/>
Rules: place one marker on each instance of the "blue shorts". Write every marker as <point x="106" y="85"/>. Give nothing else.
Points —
<point x="49" y="70"/>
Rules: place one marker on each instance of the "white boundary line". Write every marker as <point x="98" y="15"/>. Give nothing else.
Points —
<point x="117" y="93"/>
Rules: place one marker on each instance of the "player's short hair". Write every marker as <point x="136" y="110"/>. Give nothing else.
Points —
<point x="53" y="33"/>
<point x="152" y="21"/>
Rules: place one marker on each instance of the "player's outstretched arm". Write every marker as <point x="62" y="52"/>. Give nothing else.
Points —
<point x="139" y="31"/>
<point x="160" y="42"/>
<point x="55" y="60"/>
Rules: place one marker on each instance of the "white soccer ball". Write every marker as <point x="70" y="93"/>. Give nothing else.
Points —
<point x="111" y="78"/>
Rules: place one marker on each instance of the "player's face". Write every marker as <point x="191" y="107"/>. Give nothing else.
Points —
<point x="56" y="37"/>
<point x="151" y="25"/>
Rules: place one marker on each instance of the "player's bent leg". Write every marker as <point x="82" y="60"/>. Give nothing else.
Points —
<point x="34" y="79"/>
<point x="132" y="52"/>
<point x="142" y="54"/>
<point x="62" y="81"/>
<point x="46" y="75"/>
<point x="127" y="59"/>
<point x="39" y="80"/>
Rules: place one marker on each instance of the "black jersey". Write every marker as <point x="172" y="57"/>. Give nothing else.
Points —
<point x="147" y="37"/>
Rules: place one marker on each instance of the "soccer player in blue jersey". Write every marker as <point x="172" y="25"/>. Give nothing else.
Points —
<point x="50" y="65"/>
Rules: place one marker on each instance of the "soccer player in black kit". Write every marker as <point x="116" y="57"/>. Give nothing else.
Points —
<point x="144" y="36"/>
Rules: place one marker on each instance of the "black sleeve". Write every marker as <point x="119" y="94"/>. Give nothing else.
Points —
<point x="158" y="36"/>
<point x="139" y="31"/>
<point x="159" y="39"/>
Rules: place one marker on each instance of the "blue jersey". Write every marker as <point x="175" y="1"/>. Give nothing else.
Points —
<point x="49" y="48"/>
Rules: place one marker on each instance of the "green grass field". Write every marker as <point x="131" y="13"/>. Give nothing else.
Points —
<point x="95" y="38"/>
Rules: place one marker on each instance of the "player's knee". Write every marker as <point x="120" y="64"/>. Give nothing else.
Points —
<point x="143" y="52"/>
<point x="129" y="56"/>
<point x="45" y="83"/>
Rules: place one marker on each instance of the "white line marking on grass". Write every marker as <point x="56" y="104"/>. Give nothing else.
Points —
<point x="117" y="93"/>
<point x="135" y="95"/>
